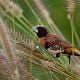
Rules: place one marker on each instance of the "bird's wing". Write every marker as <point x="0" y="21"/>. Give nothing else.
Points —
<point x="56" y="44"/>
<point x="53" y="39"/>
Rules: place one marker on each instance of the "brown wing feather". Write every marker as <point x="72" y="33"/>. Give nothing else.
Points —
<point x="53" y="39"/>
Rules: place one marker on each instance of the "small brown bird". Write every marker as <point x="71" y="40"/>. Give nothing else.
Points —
<point x="54" y="43"/>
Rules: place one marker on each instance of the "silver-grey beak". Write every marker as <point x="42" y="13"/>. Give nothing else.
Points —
<point x="34" y="29"/>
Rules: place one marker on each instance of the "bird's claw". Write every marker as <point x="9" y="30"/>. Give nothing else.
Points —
<point x="58" y="55"/>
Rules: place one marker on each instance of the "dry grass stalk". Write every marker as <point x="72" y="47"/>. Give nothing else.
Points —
<point x="23" y="68"/>
<point x="43" y="62"/>
<point x="11" y="7"/>
<point x="6" y="41"/>
<point x="8" y="47"/>
<point x="71" y="7"/>
<point x="6" y="69"/>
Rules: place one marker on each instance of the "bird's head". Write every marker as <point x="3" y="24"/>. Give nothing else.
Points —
<point x="40" y="30"/>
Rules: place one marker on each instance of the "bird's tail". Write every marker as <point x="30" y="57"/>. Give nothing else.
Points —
<point x="75" y="51"/>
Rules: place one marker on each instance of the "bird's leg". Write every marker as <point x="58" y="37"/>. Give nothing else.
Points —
<point x="58" y="55"/>
<point x="69" y="58"/>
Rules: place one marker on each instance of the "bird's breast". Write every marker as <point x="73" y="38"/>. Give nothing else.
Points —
<point x="56" y="49"/>
<point x="42" y="41"/>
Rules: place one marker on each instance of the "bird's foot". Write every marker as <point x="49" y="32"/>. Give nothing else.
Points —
<point x="58" y="55"/>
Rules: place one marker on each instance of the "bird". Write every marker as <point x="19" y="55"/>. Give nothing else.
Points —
<point x="55" y="43"/>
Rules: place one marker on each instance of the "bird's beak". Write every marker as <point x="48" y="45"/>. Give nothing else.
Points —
<point x="34" y="29"/>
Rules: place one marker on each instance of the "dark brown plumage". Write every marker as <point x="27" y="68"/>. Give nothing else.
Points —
<point x="55" y="43"/>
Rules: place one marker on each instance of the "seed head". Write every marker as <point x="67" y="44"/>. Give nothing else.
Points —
<point x="71" y="6"/>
